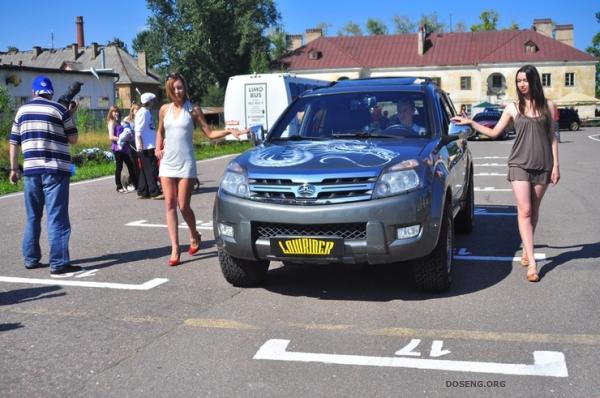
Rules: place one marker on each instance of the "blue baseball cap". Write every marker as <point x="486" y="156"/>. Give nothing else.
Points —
<point x="42" y="85"/>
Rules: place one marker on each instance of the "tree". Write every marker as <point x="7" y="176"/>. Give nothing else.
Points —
<point x="350" y="29"/>
<point x="594" y="50"/>
<point x="376" y="27"/>
<point x="324" y="26"/>
<point x="489" y="21"/>
<point x="432" y="23"/>
<point x="119" y="43"/>
<point x="209" y="41"/>
<point x="460" y="27"/>
<point x="403" y="25"/>
<point x="144" y="41"/>
<point x="278" y="43"/>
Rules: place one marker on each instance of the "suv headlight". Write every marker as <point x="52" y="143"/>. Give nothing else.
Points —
<point x="401" y="177"/>
<point x="235" y="181"/>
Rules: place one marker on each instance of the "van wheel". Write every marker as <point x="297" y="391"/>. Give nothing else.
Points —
<point x="242" y="273"/>
<point x="465" y="219"/>
<point x="574" y="126"/>
<point x="432" y="273"/>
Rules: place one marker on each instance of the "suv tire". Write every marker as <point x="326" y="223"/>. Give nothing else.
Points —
<point x="574" y="126"/>
<point x="465" y="219"/>
<point x="433" y="272"/>
<point x="242" y="273"/>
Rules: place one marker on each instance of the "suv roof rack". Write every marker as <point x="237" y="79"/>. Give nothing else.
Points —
<point x="399" y="80"/>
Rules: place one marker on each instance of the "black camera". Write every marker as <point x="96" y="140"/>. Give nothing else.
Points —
<point x="72" y="91"/>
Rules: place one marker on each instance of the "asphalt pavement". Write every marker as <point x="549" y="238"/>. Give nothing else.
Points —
<point x="131" y="326"/>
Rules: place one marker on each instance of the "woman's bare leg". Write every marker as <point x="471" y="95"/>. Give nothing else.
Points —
<point x="170" y="190"/>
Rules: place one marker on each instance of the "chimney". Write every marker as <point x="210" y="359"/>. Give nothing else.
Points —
<point x="544" y="26"/>
<point x="293" y="42"/>
<point x="37" y="50"/>
<point x="79" y="24"/>
<point x="94" y="50"/>
<point x="421" y="40"/>
<point x="313" y="34"/>
<point x="141" y="61"/>
<point x="75" y="51"/>
<point x="564" y="34"/>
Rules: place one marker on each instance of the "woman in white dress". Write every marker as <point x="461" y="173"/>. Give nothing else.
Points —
<point x="175" y="151"/>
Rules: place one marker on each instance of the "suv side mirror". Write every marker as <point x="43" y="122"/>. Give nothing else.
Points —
<point x="460" y="131"/>
<point x="257" y="134"/>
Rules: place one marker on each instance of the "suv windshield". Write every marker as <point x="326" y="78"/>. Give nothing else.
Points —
<point x="346" y="115"/>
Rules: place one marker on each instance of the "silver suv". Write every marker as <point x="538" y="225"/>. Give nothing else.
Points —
<point x="362" y="172"/>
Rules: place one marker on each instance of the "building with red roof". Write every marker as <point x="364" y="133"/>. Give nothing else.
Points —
<point x="474" y="67"/>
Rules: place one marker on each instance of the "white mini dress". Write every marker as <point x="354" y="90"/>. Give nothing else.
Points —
<point x="179" y="160"/>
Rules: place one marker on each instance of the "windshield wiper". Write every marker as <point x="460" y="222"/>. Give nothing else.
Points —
<point x="365" y="135"/>
<point x="299" y="138"/>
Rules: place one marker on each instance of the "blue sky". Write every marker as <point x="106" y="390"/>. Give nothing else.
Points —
<point x="26" y="23"/>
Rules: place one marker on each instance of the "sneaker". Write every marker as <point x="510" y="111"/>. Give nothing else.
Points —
<point x="66" y="269"/>
<point x="160" y="196"/>
<point x="130" y="188"/>
<point x="35" y="265"/>
<point x="121" y="190"/>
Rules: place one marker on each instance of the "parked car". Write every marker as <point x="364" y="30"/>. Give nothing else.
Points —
<point x="568" y="119"/>
<point x="489" y="119"/>
<point x="338" y="179"/>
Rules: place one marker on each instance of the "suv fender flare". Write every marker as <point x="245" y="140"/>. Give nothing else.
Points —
<point x="439" y="194"/>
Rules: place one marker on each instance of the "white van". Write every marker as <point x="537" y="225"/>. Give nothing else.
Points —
<point x="259" y="99"/>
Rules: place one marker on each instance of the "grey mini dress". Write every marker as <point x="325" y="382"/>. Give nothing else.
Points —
<point x="531" y="155"/>
<point x="179" y="159"/>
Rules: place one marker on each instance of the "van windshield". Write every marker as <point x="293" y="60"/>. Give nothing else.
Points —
<point x="376" y="114"/>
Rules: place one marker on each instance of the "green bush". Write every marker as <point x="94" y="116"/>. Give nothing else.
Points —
<point x="7" y="112"/>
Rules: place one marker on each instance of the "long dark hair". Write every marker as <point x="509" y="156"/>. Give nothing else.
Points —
<point x="538" y="99"/>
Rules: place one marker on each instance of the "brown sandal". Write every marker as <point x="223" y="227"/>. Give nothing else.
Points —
<point x="524" y="259"/>
<point x="534" y="277"/>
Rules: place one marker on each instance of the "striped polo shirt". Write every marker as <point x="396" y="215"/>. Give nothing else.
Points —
<point x="41" y="128"/>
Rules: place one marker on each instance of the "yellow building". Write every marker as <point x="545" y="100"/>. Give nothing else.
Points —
<point x="474" y="67"/>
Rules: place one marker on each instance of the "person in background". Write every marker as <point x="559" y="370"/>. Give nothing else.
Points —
<point x="533" y="161"/>
<point x="43" y="130"/>
<point x="175" y="150"/>
<point x="145" y="138"/>
<point x="119" y="147"/>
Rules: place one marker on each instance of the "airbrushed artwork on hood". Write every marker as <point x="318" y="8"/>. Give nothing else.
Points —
<point x="355" y="152"/>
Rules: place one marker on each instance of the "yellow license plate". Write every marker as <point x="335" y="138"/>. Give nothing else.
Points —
<point x="313" y="247"/>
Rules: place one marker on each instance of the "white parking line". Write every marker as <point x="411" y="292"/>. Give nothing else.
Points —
<point x="491" y="189"/>
<point x="545" y="363"/>
<point x="490" y="165"/>
<point x="484" y="212"/>
<point x="595" y="137"/>
<point x="490" y="157"/>
<point x="105" y="285"/>
<point x="144" y="223"/>
<point x="490" y="175"/>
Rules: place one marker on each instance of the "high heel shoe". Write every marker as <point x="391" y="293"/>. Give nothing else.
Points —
<point x="195" y="248"/>
<point x="173" y="262"/>
<point x="533" y="277"/>
<point x="524" y="259"/>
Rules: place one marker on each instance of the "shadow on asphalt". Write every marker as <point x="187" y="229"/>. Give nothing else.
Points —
<point x="583" y="251"/>
<point x="492" y="236"/>
<point x="113" y="259"/>
<point x="5" y="327"/>
<point x="17" y="296"/>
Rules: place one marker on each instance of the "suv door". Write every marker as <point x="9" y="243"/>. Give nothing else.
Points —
<point x="457" y="163"/>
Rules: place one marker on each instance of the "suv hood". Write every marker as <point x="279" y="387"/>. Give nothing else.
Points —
<point x="335" y="157"/>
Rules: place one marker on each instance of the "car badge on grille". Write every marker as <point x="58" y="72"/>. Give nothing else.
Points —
<point x="306" y="191"/>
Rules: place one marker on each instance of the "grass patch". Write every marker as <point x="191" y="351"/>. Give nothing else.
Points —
<point x="205" y="149"/>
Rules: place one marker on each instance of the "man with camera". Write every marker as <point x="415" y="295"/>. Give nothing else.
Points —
<point x="43" y="130"/>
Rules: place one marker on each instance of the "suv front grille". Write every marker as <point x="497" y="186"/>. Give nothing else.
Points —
<point x="349" y="231"/>
<point x="327" y="191"/>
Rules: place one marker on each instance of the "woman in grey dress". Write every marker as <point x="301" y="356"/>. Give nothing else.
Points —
<point x="533" y="161"/>
<point x="175" y="151"/>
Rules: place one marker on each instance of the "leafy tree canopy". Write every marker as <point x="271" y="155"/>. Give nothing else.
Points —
<point x="489" y="21"/>
<point x="376" y="27"/>
<point x="594" y="50"/>
<point x="207" y="41"/>
<point x="350" y="29"/>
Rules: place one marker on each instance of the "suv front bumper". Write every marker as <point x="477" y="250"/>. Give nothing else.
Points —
<point x="382" y="218"/>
